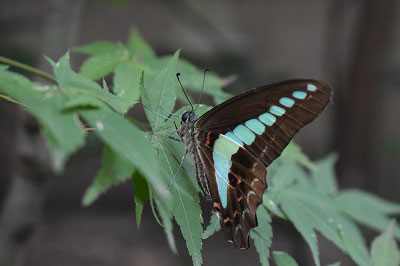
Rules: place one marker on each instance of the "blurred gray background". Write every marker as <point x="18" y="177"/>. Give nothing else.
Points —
<point x="353" y="45"/>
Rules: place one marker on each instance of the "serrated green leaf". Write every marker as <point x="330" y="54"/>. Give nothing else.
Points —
<point x="159" y="97"/>
<point x="283" y="259"/>
<point x="262" y="235"/>
<point x="130" y="143"/>
<point x="353" y="241"/>
<point x="114" y="170"/>
<point x="324" y="175"/>
<point x="99" y="66"/>
<point x="63" y="131"/>
<point x="75" y="85"/>
<point x="166" y="217"/>
<point x="68" y="79"/>
<point x="213" y="227"/>
<point x="284" y="175"/>
<point x="309" y="209"/>
<point x="271" y="203"/>
<point x="300" y="218"/>
<point x="127" y="82"/>
<point x="192" y="79"/>
<point x="384" y="250"/>
<point x="293" y="152"/>
<point x="138" y="46"/>
<point x="367" y="209"/>
<point x="98" y="48"/>
<point x="185" y="203"/>
<point x="141" y="193"/>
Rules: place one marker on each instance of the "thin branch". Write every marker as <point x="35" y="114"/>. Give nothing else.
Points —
<point x="28" y="68"/>
<point x="9" y="99"/>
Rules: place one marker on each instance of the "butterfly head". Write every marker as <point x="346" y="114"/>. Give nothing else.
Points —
<point x="188" y="116"/>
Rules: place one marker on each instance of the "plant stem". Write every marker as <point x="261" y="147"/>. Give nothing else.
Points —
<point x="8" y="99"/>
<point x="28" y="68"/>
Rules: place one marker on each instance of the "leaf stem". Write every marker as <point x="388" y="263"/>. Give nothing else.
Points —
<point x="9" y="99"/>
<point x="28" y="68"/>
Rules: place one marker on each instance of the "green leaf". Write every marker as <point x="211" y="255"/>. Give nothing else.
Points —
<point x="309" y="209"/>
<point x="213" y="227"/>
<point x="83" y="102"/>
<point x="271" y="203"/>
<point x="166" y="217"/>
<point x="160" y="97"/>
<point x="74" y="85"/>
<point x="262" y="235"/>
<point x="293" y="152"/>
<point x="384" y="250"/>
<point x="299" y="215"/>
<point x="98" y="48"/>
<point x="192" y="79"/>
<point x="130" y="143"/>
<point x="141" y="193"/>
<point x="99" y="66"/>
<point x="324" y="175"/>
<point x="138" y="46"/>
<point x="127" y="83"/>
<point x="283" y="259"/>
<point x="367" y="209"/>
<point x="185" y="206"/>
<point x="63" y="131"/>
<point x="115" y="170"/>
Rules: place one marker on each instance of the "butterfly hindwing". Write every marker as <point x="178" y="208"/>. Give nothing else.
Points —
<point x="235" y="141"/>
<point x="235" y="188"/>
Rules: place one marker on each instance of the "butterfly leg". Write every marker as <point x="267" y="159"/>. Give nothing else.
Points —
<point x="179" y="167"/>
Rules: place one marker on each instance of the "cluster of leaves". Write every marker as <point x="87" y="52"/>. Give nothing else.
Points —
<point x="306" y="194"/>
<point x="300" y="191"/>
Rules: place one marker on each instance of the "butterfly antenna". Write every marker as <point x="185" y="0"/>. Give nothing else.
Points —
<point x="160" y="115"/>
<point x="202" y="87"/>
<point x="184" y="92"/>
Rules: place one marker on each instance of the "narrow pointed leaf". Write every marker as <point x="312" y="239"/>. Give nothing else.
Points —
<point x="141" y="194"/>
<point x="127" y="83"/>
<point x="159" y="97"/>
<point x="384" y="249"/>
<point x="324" y="175"/>
<point x="138" y="46"/>
<point x="99" y="66"/>
<point x="115" y="169"/>
<point x="130" y="143"/>
<point x="213" y="227"/>
<point x="283" y="259"/>
<point x="262" y="235"/>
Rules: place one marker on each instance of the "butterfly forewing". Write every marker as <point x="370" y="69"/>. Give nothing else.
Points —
<point x="235" y="141"/>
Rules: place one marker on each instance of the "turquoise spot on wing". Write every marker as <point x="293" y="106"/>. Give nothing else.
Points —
<point x="244" y="134"/>
<point x="233" y="137"/>
<point x="276" y="110"/>
<point x="225" y="146"/>
<point x="299" y="95"/>
<point x="267" y="119"/>
<point x="286" y="102"/>
<point x="311" y="87"/>
<point x="255" y="126"/>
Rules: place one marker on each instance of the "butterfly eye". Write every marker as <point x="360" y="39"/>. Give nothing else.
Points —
<point x="185" y="117"/>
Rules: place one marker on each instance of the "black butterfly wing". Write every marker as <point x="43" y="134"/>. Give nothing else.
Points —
<point x="238" y="139"/>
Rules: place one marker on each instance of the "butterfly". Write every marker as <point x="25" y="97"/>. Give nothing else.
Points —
<point x="233" y="143"/>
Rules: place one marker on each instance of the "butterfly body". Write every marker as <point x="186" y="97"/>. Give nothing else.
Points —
<point x="234" y="142"/>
